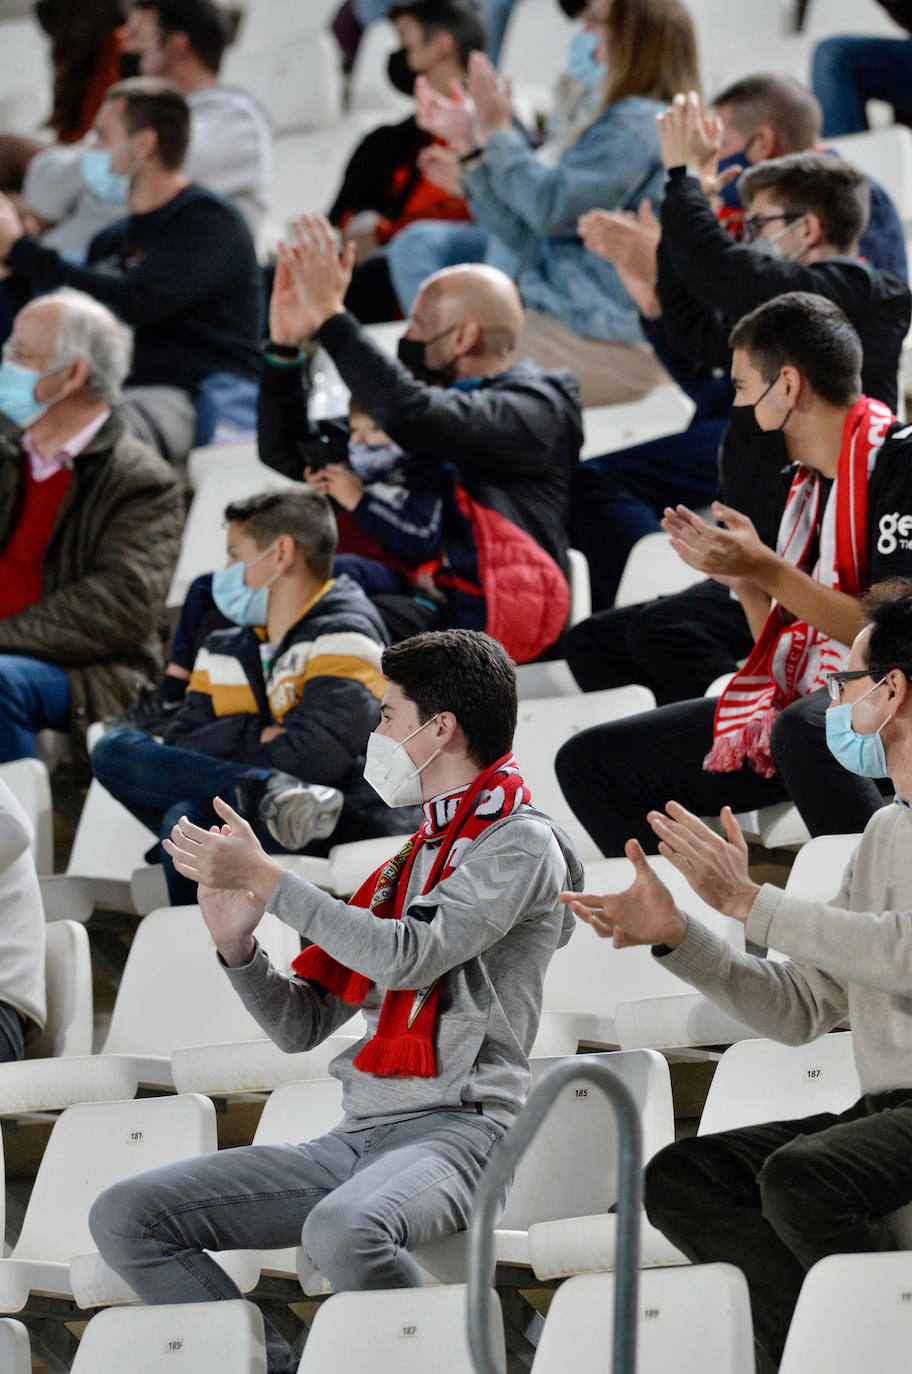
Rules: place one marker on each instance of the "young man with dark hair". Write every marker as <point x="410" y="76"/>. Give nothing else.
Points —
<point x="450" y="988"/>
<point x="278" y="706"/>
<point x="776" y="1197"/>
<point x="763" y="740"/>
<point x="180" y="268"/>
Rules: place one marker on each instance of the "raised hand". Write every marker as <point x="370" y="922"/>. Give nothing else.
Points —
<point x="230" y="857"/>
<point x="493" y="106"/>
<point x="448" y="117"/>
<point x="321" y="275"/>
<point x="628" y="241"/>
<point x="232" y="917"/>
<point x="643" y="914"/>
<point x="722" y="553"/>
<point x="714" y="865"/>
<point x="289" y="322"/>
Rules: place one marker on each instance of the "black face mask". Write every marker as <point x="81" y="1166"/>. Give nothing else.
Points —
<point x="744" y="425"/>
<point x="129" y="65"/>
<point x="46" y="14"/>
<point x="400" y="73"/>
<point x="412" y="354"/>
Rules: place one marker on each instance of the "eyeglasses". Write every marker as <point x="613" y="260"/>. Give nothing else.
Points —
<point x="754" y="223"/>
<point x="836" y="682"/>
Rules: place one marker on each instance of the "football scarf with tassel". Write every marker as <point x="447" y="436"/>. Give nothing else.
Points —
<point x="403" y="1046"/>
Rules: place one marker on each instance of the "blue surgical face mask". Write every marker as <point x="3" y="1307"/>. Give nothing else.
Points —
<point x="861" y="754"/>
<point x="111" y="187"/>
<point x="582" y="62"/>
<point x="238" y="602"/>
<point x="17" y="393"/>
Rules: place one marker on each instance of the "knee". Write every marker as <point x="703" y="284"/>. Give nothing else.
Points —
<point x="667" y="1180"/>
<point x="113" y="1217"/>
<point x="342" y="1242"/>
<point x="833" y="57"/>
<point x="790" y="1185"/>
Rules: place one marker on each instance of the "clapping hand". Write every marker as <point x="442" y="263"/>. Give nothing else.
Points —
<point x="491" y="98"/>
<point x="628" y="241"/>
<point x="643" y="914"/>
<point x="735" y="552"/>
<point x="689" y="138"/>
<point x="714" y="865"/>
<point x="321" y="275"/>
<point x="450" y="118"/>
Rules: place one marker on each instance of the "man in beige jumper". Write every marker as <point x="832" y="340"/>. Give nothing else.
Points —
<point x="773" y="1199"/>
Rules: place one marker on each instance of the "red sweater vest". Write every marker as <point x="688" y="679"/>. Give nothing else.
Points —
<point x="22" y="561"/>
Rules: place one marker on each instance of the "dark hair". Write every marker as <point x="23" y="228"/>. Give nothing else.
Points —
<point x="459" y="18"/>
<point x="573" y="8"/>
<point x="151" y="103"/>
<point x="206" y="25"/>
<point x="887" y="608"/>
<point x="463" y="671"/>
<point x="831" y="189"/>
<point x="304" y="514"/>
<point x="808" y="332"/>
<point x="790" y="109"/>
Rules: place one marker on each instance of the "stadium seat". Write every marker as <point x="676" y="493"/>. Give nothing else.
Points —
<point x="551" y="678"/>
<point x="15" y="1351"/>
<point x="298" y="79"/>
<point x="854" y="1312"/>
<point x="663" y="410"/>
<point x="580" y="587"/>
<point x="178" y="1338"/>
<point x="653" y="569"/>
<point x="370" y="87"/>
<point x="885" y="155"/>
<point x="29" y="783"/>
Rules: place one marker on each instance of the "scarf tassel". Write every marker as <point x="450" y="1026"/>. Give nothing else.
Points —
<point x="315" y="964"/>
<point x="403" y="1056"/>
<point x="749" y="745"/>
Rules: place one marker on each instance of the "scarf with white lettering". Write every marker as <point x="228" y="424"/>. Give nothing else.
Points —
<point x="403" y="1046"/>
<point x="791" y="658"/>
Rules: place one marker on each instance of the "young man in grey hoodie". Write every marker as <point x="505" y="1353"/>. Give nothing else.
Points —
<point x="775" y="1198"/>
<point x="450" y="988"/>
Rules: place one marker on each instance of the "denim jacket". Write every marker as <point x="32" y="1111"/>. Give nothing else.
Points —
<point x="613" y="165"/>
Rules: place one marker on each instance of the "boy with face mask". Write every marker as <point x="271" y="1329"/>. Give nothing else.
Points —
<point x="444" y="949"/>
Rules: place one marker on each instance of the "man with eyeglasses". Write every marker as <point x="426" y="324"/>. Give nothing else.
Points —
<point x="775" y="1198"/>
<point x="795" y="368"/>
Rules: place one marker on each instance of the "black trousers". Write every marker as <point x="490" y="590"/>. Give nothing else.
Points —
<point x="774" y="1199"/>
<point x="612" y="775"/>
<point x="676" y="645"/>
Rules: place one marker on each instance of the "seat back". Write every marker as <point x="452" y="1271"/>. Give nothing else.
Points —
<point x="109" y="841"/>
<point x="370" y="88"/>
<point x="570" y="1167"/>
<point x="853" y="1312"/>
<point x="178" y="1338"/>
<point x="174" y="993"/>
<point x="545" y="723"/>
<point x="536" y="42"/>
<point x="15" y="1350"/>
<point x="694" y="1319"/>
<point x="68" y="982"/>
<point x="298" y="1111"/>
<point x="396" y="1331"/>
<point x="297" y="80"/>
<point x="30" y="784"/>
<point x="580" y="587"/>
<point x="760" y="1080"/>
<point x="653" y="569"/>
<point x="819" y="865"/>
<point x="96" y="1144"/>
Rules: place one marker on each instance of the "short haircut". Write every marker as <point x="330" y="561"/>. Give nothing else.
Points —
<point x="465" y="672"/>
<point x="837" y="193"/>
<point x="207" y="26"/>
<point x="887" y="608"/>
<point x="151" y="103"/>
<point x="809" y="332"/>
<point x="304" y="514"/>
<point x="460" y="18"/>
<point x="89" y="330"/>
<point x="789" y="108"/>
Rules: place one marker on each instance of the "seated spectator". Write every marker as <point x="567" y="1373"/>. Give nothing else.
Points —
<point x="776" y="1197"/>
<point x="383" y="188"/>
<point x="86" y="43"/>
<point x="796" y="369"/>
<point x="278" y="707"/>
<point x="230" y="151"/>
<point x="440" y="1075"/>
<point x="354" y="16"/>
<point x="806" y="214"/>
<point x="181" y="268"/>
<point x="848" y="70"/>
<point x="23" y="1005"/>
<point x="492" y="440"/>
<point x="577" y="311"/>
<point x="90" y="522"/>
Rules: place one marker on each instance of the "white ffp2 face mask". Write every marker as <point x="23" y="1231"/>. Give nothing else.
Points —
<point x="390" y="771"/>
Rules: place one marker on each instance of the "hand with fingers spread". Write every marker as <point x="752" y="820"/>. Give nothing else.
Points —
<point x="733" y="552"/>
<point x="714" y="865"/>
<point x="321" y="275"/>
<point x="643" y="914"/>
<point x="448" y="117"/>
<point x="689" y="137"/>
<point x="227" y="857"/>
<point x="628" y="241"/>
<point x="232" y="917"/>
<point x="491" y="98"/>
<point x="289" y="322"/>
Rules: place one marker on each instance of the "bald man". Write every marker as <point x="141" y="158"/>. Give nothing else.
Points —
<point x="458" y="404"/>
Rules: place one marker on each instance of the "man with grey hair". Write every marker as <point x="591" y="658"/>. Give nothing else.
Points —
<point x="90" y="522"/>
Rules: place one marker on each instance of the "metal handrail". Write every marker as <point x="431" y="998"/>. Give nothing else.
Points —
<point x="496" y="1178"/>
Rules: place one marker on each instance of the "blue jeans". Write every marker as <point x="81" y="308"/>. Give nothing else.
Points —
<point x="355" y="1200"/>
<point x="619" y="497"/>
<point x="430" y="244"/>
<point x="226" y="408"/>
<point x="34" y="695"/>
<point x="159" y="783"/>
<point x="849" y="70"/>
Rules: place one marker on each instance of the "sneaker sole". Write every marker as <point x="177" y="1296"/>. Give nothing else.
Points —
<point x="296" y="817"/>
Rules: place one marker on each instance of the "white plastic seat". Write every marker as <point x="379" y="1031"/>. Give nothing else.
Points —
<point x="819" y="866"/>
<point x="653" y="569"/>
<point x="885" y="155"/>
<point x="29" y="783"/>
<point x="854" y="1312"/>
<point x="298" y="79"/>
<point x="396" y="1331"/>
<point x="580" y="587"/>
<point x="693" y="1320"/>
<point x="370" y="87"/>
<point x="663" y="410"/>
<point x="92" y="1146"/>
<point x="551" y="678"/>
<point x="178" y="1338"/>
<point x="15" y="1349"/>
<point x="217" y="457"/>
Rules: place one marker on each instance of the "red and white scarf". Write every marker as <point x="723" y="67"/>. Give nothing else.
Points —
<point x="791" y="658"/>
<point x="403" y="1046"/>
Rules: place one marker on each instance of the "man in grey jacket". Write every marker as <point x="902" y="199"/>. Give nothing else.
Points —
<point x="451" y="992"/>
<point x="773" y="1199"/>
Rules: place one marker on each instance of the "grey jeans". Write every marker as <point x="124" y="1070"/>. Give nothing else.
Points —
<point x="355" y="1200"/>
